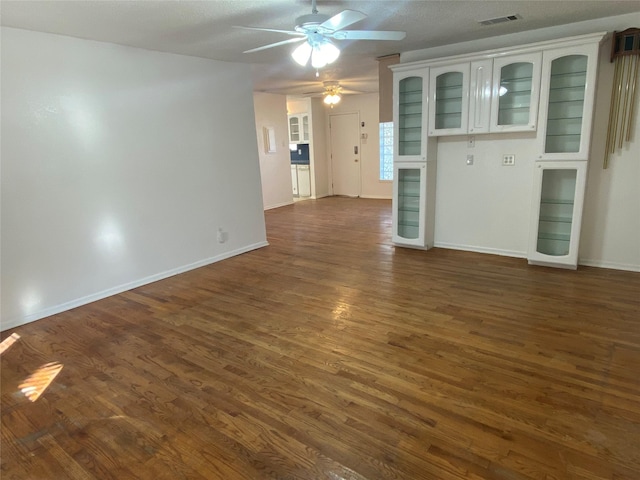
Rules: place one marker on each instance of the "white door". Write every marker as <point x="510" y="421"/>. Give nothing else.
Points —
<point x="345" y="154"/>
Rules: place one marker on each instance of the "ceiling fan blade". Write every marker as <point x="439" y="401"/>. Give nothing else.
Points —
<point x="343" y="19"/>
<point x="277" y="44"/>
<point x="288" y="32"/>
<point x="368" y="35"/>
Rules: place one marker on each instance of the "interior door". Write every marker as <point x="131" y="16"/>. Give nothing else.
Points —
<point x="345" y="154"/>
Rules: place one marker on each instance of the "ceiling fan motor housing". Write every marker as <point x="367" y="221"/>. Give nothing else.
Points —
<point x="311" y="23"/>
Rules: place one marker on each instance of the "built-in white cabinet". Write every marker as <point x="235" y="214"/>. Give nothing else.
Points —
<point x="556" y="216"/>
<point x="449" y="99"/>
<point x="413" y="204"/>
<point x="410" y="115"/>
<point x="546" y="88"/>
<point x="566" y="102"/>
<point x="480" y="90"/>
<point x="299" y="128"/>
<point x="516" y="92"/>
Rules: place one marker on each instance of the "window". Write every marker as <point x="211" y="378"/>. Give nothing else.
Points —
<point x="386" y="151"/>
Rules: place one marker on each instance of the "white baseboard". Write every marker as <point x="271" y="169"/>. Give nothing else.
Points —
<point x="472" y="248"/>
<point x="612" y="265"/>
<point x="375" y="197"/>
<point x="283" y="204"/>
<point x="63" y="307"/>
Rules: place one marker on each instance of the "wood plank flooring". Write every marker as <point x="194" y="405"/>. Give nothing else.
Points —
<point x="330" y="354"/>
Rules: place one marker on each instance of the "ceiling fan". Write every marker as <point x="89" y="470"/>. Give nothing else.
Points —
<point x="317" y="30"/>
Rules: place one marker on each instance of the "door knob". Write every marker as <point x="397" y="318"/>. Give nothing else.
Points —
<point x="355" y="160"/>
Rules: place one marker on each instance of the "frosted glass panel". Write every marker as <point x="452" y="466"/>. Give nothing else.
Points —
<point x="515" y="93"/>
<point x="294" y="129"/>
<point x="410" y="116"/>
<point x="449" y="100"/>
<point x="409" y="202"/>
<point x="556" y="211"/>
<point x="566" y="104"/>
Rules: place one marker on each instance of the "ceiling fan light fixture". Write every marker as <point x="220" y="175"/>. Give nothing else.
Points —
<point x="323" y="54"/>
<point x="302" y="53"/>
<point x="332" y="99"/>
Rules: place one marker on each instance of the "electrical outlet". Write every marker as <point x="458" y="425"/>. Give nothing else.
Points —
<point x="471" y="141"/>
<point x="508" y="160"/>
<point x="469" y="159"/>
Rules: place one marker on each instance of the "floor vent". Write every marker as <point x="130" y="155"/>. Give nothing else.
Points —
<point x="507" y="18"/>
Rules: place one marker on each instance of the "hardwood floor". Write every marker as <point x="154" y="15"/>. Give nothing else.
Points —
<point x="330" y="354"/>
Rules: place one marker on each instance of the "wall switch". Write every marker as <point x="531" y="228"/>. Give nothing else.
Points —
<point x="471" y="141"/>
<point x="469" y="159"/>
<point x="508" y="160"/>
<point x="222" y="235"/>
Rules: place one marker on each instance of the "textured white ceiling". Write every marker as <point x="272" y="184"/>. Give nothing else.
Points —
<point x="205" y="29"/>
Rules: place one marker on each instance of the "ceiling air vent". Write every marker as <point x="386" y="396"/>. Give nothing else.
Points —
<point x="507" y="18"/>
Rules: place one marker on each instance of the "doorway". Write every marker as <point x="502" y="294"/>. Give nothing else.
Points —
<point x="345" y="153"/>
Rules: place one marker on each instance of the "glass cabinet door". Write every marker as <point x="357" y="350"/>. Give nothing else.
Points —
<point x="305" y="129"/>
<point x="409" y="187"/>
<point x="566" y="102"/>
<point x="294" y="129"/>
<point x="516" y="93"/>
<point x="558" y="200"/>
<point x="413" y="192"/>
<point x="449" y="96"/>
<point x="409" y="117"/>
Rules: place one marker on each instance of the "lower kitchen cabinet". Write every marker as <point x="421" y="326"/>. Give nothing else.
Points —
<point x="294" y="179"/>
<point x="414" y="204"/>
<point x="556" y="217"/>
<point x="304" y="181"/>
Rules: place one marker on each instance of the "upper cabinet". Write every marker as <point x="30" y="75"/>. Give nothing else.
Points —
<point x="566" y="102"/>
<point x="480" y="87"/>
<point x="546" y="87"/>
<point x="516" y="91"/>
<point x="299" y="128"/>
<point x="410" y="115"/>
<point x="485" y="95"/>
<point x="449" y="99"/>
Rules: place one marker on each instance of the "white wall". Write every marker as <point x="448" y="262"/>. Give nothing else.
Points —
<point x="275" y="168"/>
<point x="320" y="156"/>
<point x="611" y="225"/>
<point x="118" y="167"/>
<point x="367" y="106"/>
<point x="485" y="207"/>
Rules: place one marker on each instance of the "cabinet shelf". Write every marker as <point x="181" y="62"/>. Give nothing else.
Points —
<point x="408" y="209"/>
<point x="509" y="109"/>
<point x="408" y="91"/>
<point x="577" y="101"/>
<point x="556" y="201"/>
<point x="449" y="88"/>
<point x="408" y="224"/>
<point x="551" y="219"/>
<point x="574" y="73"/>
<point x="517" y="92"/>
<point x="560" y="237"/>
<point x="559" y="135"/>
